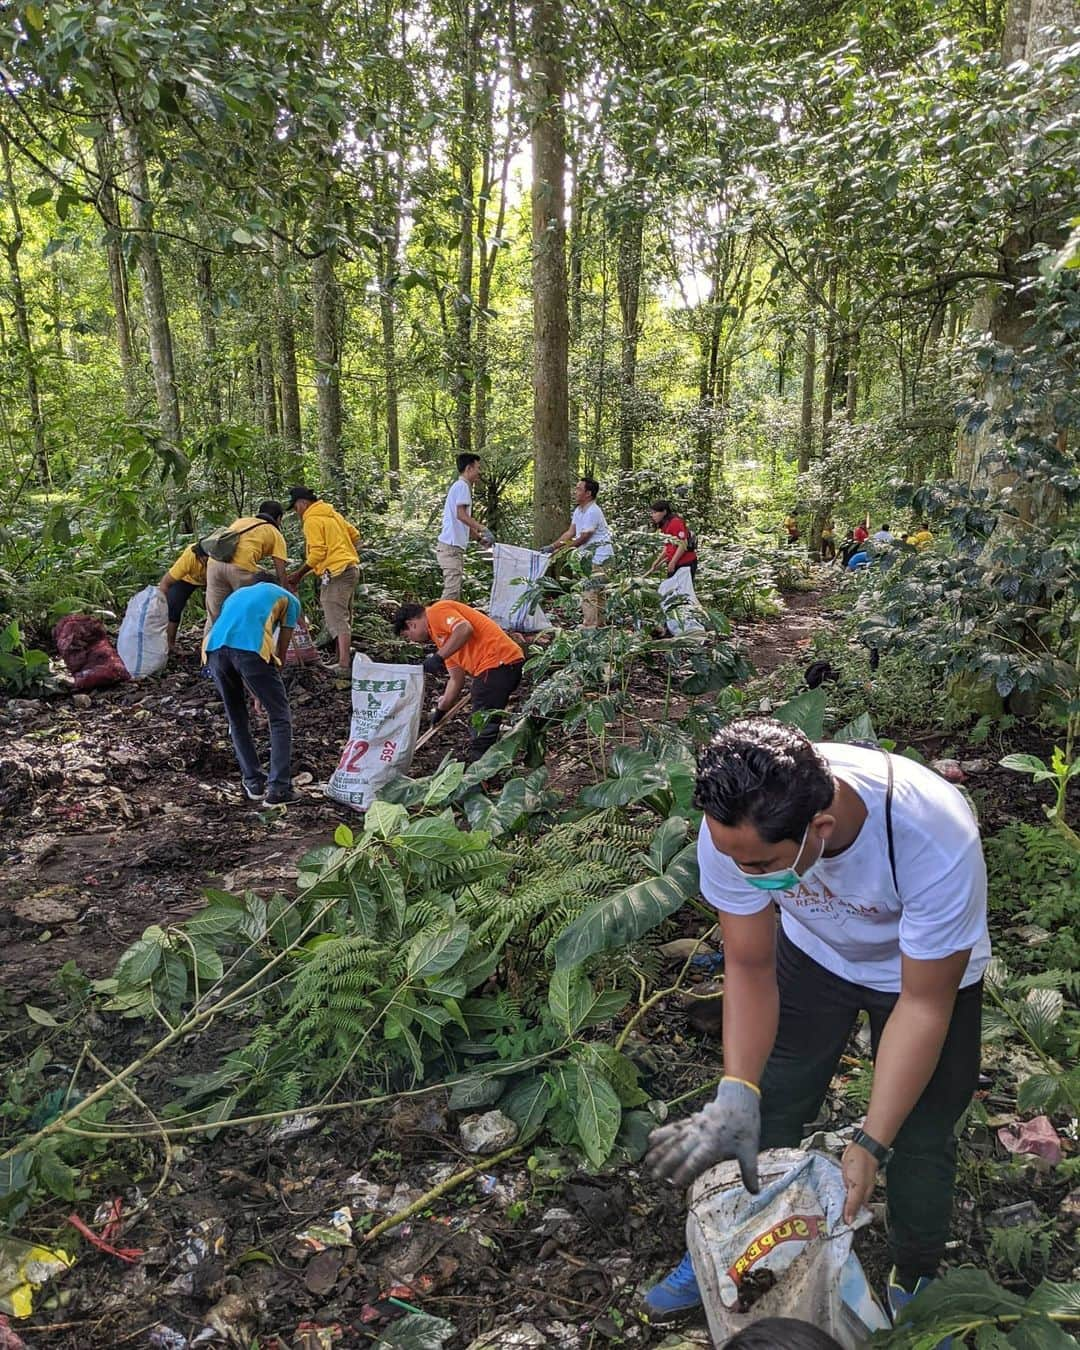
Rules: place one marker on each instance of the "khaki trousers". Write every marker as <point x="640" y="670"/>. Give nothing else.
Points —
<point x="452" y="561"/>
<point x="221" y="580"/>
<point x="336" y="598"/>
<point x="592" y="597"/>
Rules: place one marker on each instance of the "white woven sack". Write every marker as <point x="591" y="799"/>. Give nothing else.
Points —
<point x="387" y="702"/>
<point x="143" y="644"/>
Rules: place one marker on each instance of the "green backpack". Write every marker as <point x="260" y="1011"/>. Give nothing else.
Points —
<point x="221" y="544"/>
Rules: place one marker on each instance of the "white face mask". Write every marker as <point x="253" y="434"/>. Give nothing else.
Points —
<point x="786" y="878"/>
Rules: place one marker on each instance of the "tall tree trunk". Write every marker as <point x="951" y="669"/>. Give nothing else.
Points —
<point x="12" y="248"/>
<point x="159" y="333"/>
<point x="851" y="398"/>
<point x="291" y="433"/>
<point x="267" y="392"/>
<point x="574" y="396"/>
<point x="552" y="473"/>
<point x="828" y="374"/>
<point x="204" y="292"/>
<point x="628" y="271"/>
<point x="109" y="209"/>
<point x="466" y="171"/>
<point x="327" y="350"/>
<point x="806" y="418"/>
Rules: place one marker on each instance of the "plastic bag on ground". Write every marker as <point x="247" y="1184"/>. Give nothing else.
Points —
<point x="789" y="1240"/>
<point x="387" y="702"/>
<point x="87" y="652"/>
<point x="143" y="644"/>
<point x="515" y="568"/>
<point x="680" y="602"/>
<point x="302" y="650"/>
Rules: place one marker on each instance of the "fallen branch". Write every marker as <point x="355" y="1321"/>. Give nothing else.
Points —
<point x="442" y="721"/>
<point x="437" y="1192"/>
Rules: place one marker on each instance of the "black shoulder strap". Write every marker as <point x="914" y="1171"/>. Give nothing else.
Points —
<point x="888" y="819"/>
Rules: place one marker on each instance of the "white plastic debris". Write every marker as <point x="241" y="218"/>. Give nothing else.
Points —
<point x="487" y="1133"/>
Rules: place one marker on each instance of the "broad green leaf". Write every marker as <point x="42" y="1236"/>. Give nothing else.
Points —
<point x="430" y="838"/>
<point x="959" y="1296"/>
<point x="624" y="918"/>
<point x="393" y="892"/>
<point x="344" y="837"/>
<point x="527" y="1104"/>
<point x="39" y="196"/>
<point x="14" y="1176"/>
<point x="619" y="1070"/>
<point x="417" y="1331"/>
<point x="385" y="819"/>
<point x="208" y="964"/>
<point x="805" y="711"/>
<point x="667" y="841"/>
<point x="40" y="1016"/>
<point x="431" y="953"/>
<point x="858" y="729"/>
<point x="1038" y="1092"/>
<point x="138" y="963"/>
<point x="1063" y="1299"/>
<point x="570" y="996"/>
<point x="444" y="783"/>
<point x="171" y="979"/>
<point x="597" y="1114"/>
<point x="603" y="1005"/>
<point x="632" y="1141"/>
<point x="480" y="1090"/>
<point x="55" y="1174"/>
<point x="1040" y="1333"/>
<point x="215" y="920"/>
<point x="1024" y="764"/>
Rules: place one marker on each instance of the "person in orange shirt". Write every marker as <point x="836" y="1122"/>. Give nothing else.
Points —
<point x="469" y="643"/>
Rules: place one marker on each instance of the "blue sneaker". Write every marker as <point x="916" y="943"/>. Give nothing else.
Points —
<point x="675" y="1294"/>
<point x="898" y="1298"/>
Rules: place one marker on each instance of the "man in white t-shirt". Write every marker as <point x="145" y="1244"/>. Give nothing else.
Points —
<point x="875" y="866"/>
<point x="459" y="526"/>
<point x="589" y="534"/>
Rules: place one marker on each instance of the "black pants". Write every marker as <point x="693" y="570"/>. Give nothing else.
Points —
<point x="177" y="596"/>
<point x="233" y="669"/>
<point x="490" y="694"/>
<point x="817" y="1014"/>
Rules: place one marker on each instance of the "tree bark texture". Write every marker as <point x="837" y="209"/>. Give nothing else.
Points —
<point x="108" y="206"/>
<point x="204" y="292"/>
<point x="552" y="473"/>
<point x="326" y="306"/>
<point x="285" y="324"/>
<point x="628" y="273"/>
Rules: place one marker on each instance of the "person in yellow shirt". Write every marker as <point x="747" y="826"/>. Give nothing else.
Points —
<point x="260" y="537"/>
<point x="186" y="576"/>
<point x="828" y="542"/>
<point x="922" y="536"/>
<point x="791" y="525"/>
<point x="331" y="554"/>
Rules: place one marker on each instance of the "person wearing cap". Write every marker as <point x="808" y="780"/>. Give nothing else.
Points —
<point x="259" y="537"/>
<point x="467" y="643"/>
<point x="186" y="576"/>
<point x="331" y="554"/>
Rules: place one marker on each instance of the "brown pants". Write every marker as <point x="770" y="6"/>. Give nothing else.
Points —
<point x="452" y="561"/>
<point x="592" y="597"/>
<point x="221" y="580"/>
<point x="336" y="598"/>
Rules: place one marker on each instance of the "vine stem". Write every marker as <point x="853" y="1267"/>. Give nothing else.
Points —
<point x="437" y="1192"/>
<point x="661" y="994"/>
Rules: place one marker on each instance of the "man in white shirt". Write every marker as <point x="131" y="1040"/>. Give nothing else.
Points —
<point x="458" y="526"/>
<point x="589" y="534"/>
<point x="875" y="865"/>
<point x="883" y="536"/>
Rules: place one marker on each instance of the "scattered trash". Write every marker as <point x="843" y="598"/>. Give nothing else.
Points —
<point x="557" y="1222"/>
<point x="312" y="1336"/>
<point x="336" y="1232"/>
<point x="201" y="1244"/>
<point x="292" y="1127"/>
<point x="487" y="1133"/>
<point x="487" y="1183"/>
<point x="10" y="1340"/>
<point x="108" y="1214"/>
<point x="364" y="1192"/>
<point x="234" y="1318"/>
<point x="24" y="1268"/>
<point x="510" y="1336"/>
<point x="84" y="646"/>
<point x="681" y="948"/>
<point x="1037" y="1137"/>
<point x="949" y="769"/>
<point x="793" y="1231"/>
<point x="403" y="1196"/>
<point x="167" y="1338"/>
<point x="1013" y="1216"/>
<point x="975" y="765"/>
<point x="1069" y="1210"/>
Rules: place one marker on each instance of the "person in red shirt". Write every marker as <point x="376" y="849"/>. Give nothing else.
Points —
<point x="678" y="550"/>
<point x="469" y="643"/>
<point x="861" y="533"/>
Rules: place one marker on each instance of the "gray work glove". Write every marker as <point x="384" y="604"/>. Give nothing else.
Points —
<point x="729" y="1127"/>
<point x="548" y="548"/>
<point x="487" y="537"/>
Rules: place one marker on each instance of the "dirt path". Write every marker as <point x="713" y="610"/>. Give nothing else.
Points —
<point x="772" y="642"/>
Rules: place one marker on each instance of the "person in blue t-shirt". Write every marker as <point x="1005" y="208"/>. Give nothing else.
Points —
<point x="242" y="649"/>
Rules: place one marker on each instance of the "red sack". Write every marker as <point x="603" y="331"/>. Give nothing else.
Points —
<point x="302" y="650"/>
<point x="84" y="645"/>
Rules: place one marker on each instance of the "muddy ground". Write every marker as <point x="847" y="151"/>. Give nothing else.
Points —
<point x="114" y="815"/>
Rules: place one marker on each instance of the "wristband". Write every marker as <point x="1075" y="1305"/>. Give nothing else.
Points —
<point x="878" y="1152"/>
<point x="730" y="1078"/>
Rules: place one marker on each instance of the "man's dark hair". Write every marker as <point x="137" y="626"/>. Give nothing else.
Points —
<point x="885" y="525"/>
<point x="465" y="459"/>
<point x="404" y="614"/>
<point x="199" y="551"/>
<point x="767" y="773"/>
<point x="272" y="510"/>
<point x="781" y="1333"/>
<point x="300" y="493"/>
<point x="663" y="506"/>
<point x="592" y="487"/>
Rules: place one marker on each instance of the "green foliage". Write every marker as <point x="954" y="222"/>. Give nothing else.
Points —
<point x="1023" y="1249"/>
<point x="23" y="670"/>
<point x="966" y="1302"/>
<point x="1042" y="1010"/>
<point x="1061" y="771"/>
<point x="1033" y="879"/>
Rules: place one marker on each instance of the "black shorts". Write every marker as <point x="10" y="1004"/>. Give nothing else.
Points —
<point x="178" y="594"/>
